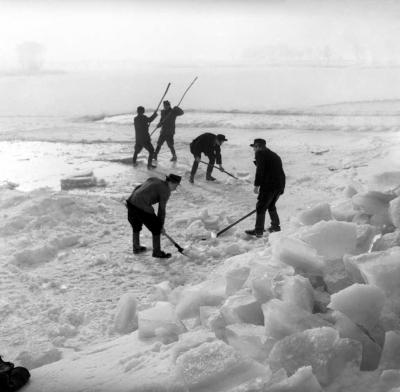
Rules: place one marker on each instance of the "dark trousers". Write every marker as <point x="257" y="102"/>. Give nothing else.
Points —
<point x="266" y="201"/>
<point x="165" y="137"/>
<point x="148" y="146"/>
<point x="210" y="166"/>
<point x="137" y="218"/>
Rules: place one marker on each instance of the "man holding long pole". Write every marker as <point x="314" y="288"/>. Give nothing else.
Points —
<point x="167" y="124"/>
<point x="210" y="145"/>
<point x="269" y="184"/>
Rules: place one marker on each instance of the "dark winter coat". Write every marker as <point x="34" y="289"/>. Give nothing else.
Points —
<point x="269" y="174"/>
<point x="167" y="121"/>
<point x="206" y="144"/>
<point x="152" y="191"/>
<point x="141" y="122"/>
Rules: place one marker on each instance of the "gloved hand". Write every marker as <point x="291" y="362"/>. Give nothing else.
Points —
<point x="155" y="114"/>
<point x="197" y="159"/>
<point x="256" y="190"/>
<point x="221" y="168"/>
<point x="163" y="231"/>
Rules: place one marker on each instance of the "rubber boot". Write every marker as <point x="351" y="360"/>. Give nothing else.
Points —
<point x="157" y="252"/>
<point x="134" y="159"/>
<point x="155" y="155"/>
<point x="174" y="157"/>
<point x="137" y="248"/>
<point x="209" y="177"/>
<point x="150" y="162"/>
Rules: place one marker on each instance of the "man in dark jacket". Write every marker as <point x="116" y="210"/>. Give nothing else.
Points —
<point x="167" y="124"/>
<point x="269" y="184"/>
<point x="142" y="136"/>
<point x="210" y="145"/>
<point x="141" y="212"/>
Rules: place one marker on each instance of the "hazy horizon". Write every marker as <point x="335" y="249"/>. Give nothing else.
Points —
<point x="46" y="35"/>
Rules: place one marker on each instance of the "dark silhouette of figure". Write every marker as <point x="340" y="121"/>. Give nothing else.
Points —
<point x="210" y="145"/>
<point x="269" y="184"/>
<point x="167" y="124"/>
<point x="142" y="136"/>
<point x="141" y="211"/>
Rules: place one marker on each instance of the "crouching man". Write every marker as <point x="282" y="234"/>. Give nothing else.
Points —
<point x="210" y="145"/>
<point x="141" y="212"/>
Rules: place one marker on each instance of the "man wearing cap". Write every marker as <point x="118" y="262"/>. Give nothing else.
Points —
<point x="269" y="184"/>
<point x="142" y="137"/>
<point x="210" y="145"/>
<point x="141" y="212"/>
<point x="167" y="124"/>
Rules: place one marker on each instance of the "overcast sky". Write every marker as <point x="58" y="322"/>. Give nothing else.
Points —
<point x="105" y="33"/>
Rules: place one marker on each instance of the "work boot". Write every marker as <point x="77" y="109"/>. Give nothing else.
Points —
<point x="191" y="179"/>
<point x="151" y="167"/>
<point x="272" y="229"/>
<point x="161" y="254"/>
<point x="210" y="178"/>
<point x="137" y="248"/>
<point x="254" y="232"/>
<point x="135" y="164"/>
<point x="174" y="158"/>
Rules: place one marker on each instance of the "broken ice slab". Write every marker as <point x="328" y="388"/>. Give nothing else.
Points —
<point x="125" y="320"/>
<point x="331" y="239"/>
<point x="296" y="253"/>
<point x="162" y="317"/>
<point x="235" y="278"/>
<point x="343" y="210"/>
<point x="362" y="303"/>
<point x="284" y="318"/>
<point x="298" y="291"/>
<point x="394" y="211"/>
<point x="216" y="366"/>
<point x="320" y="348"/>
<point x="391" y="351"/>
<point x="381" y="269"/>
<point x="372" y="202"/>
<point x="242" y="308"/>
<point x="211" y="318"/>
<point x="371" y="351"/>
<point x="250" y="340"/>
<point x="315" y="214"/>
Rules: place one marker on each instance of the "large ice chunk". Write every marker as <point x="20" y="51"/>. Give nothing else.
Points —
<point x="343" y="210"/>
<point x="298" y="291"/>
<point x="332" y="239"/>
<point x="301" y="256"/>
<point x="365" y="237"/>
<point x="235" y="279"/>
<point x="261" y="288"/>
<point x="394" y="211"/>
<point x="362" y="303"/>
<point x="190" y="340"/>
<point x="303" y="380"/>
<point x="192" y="297"/>
<point x="381" y="269"/>
<point x="250" y="340"/>
<point x="320" y="348"/>
<point x="125" y="320"/>
<point x="391" y="351"/>
<point x="371" y="351"/>
<point x="372" y="202"/>
<point x="211" y="318"/>
<point x="284" y="318"/>
<point x="242" y="308"/>
<point x="316" y="214"/>
<point x="215" y="367"/>
<point x="159" y="320"/>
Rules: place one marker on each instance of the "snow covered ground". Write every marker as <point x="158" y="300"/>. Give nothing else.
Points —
<point x="229" y="316"/>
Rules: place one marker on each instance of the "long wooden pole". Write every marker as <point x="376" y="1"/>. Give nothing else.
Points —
<point x="190" y="85"/>
<point x="159" y="104"/>
<point x="235" y="223"/>
<point x="223" y="171"/>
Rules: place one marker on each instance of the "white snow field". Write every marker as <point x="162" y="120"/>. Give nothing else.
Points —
<point x="315" y="307"/>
